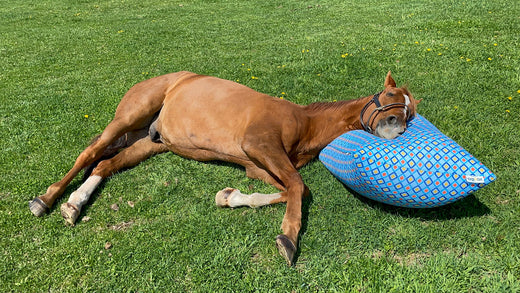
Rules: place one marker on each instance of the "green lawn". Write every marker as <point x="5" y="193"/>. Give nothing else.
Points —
<point x="64" y="65"/>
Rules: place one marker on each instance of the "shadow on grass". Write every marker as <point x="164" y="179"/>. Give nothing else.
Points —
<point x="467" y="207"/>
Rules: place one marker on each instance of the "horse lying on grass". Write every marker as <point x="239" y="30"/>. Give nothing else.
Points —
<point x="206" y="118"/>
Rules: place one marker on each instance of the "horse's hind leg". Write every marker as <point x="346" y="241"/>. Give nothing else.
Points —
<point x="128" y="157"/>
<point x="113" y="131"/>
<point x="135" y="111"/>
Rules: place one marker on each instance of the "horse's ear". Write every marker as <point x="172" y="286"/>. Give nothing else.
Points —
<point x="389" y="81"/>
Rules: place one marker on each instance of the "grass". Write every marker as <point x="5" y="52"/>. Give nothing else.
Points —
<point x="66" y="64"/>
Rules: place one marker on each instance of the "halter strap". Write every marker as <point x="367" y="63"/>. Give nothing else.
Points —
<point x="379" y="108"/>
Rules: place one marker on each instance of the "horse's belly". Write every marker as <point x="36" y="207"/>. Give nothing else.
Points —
<point x="205" y="118"/>
<point x="201" y="136"/>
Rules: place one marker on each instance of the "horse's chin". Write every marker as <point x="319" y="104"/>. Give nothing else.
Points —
<point x="389" y="132"/>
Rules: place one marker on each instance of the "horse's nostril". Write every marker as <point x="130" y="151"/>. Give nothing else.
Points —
<point x="392" y="120"/>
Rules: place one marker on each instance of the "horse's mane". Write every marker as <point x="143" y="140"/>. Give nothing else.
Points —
<point x="321" y="106"/>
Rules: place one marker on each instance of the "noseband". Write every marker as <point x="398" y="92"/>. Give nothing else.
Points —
<point x="379" y="108"/>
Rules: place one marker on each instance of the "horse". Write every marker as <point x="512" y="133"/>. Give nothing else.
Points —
<point x="206" y="118"/>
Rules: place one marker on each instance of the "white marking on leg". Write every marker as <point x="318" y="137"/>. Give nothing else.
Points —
<point x="237" y="199"/>
<point x="79" y="197"/>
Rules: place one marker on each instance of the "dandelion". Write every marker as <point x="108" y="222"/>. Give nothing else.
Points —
<point x="254" y="77"/>
<point x="467" y="59"/>
<point x="507" y="111"/>
<point x="439" y="54"/>
<point x="490" y="58"/>
<point x="518" y="91"/>
<point x="283" y="93"/>
<point x="455" y="107"/>
<point x="495" y="44"/>
<point x="86" y="116"/>
<point x="510" y="98"/>
<point x="428" y="49"/>
<point x="120" y="31"/>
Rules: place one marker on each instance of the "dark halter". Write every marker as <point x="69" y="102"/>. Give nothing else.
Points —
<point x="379" y="108"/>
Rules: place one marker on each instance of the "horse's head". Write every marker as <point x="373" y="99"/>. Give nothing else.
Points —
<point x="387" y="113"/>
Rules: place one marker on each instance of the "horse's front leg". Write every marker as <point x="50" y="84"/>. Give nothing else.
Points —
<point x="272" y="158"/>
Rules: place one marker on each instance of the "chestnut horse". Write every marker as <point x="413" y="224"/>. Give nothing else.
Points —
<point x="206" y="118"/>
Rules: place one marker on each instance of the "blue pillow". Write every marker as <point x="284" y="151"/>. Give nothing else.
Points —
<point x="422" y="168"/>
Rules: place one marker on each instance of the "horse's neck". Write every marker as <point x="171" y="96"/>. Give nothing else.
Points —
<point x="329" y="120"/>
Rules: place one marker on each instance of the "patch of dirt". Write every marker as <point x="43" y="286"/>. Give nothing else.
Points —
<point x="121" y="226"/>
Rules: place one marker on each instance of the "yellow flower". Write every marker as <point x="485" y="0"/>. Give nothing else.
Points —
<point x="518" y="91"/>
<point x="490" y="58"/>
<point x="495" y="44"/>
<point x="254" y="77"/>
<point x="507" y="111"/>
<point x="510" y="98"/>
<point x="467" y="59"/>
<point x="283" y="93"/>
<point x="86" y="116"/>
<point x="428" y="49"/>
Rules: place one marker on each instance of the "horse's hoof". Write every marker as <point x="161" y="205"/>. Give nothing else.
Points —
<point x="221" y="199"/>
<point x="70" y="213"/>
<point x="286" y="248"/>
<point x="38" y="207"/>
